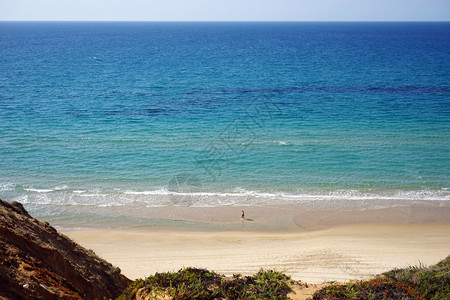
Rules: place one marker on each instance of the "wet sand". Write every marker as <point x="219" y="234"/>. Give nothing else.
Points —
<point x="284" y="218"/>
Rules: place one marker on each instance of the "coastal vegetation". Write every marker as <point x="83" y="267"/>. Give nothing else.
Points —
<point x="192" y="283"/>
<point x="415" y="282"/>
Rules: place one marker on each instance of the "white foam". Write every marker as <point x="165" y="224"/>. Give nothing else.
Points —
<point x="61" y="187"/>
<point x="38" y="190"/>
<point x="235" y="197"/>
<point x="305" y="195"/>
<point x="154" y="192"/>
<point x="6" y="186"/>
<point x="93" y="195"/>
<point x="22" y="199"/>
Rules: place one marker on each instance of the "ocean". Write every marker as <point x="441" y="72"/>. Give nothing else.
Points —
<point x="99" y="119"/>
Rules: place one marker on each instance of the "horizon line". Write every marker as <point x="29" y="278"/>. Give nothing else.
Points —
<point x="240" y="21"/>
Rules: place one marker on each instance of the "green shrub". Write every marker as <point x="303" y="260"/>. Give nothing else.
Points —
<point x="430" y="283"/>
<point x="192" y="283"/>
<point x="365" y="290"/>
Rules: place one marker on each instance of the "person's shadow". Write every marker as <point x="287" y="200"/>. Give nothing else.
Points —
<point x="243" y="219"/>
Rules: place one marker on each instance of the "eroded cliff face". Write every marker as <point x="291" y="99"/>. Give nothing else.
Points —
<point x="36" y="262"/>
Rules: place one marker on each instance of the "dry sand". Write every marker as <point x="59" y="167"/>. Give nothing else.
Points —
<point x="334" y="254"/>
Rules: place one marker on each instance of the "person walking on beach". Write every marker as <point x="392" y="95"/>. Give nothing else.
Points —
<point x="243" y="215"/>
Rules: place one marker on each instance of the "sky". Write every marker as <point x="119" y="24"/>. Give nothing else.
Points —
<point x="224" y="10"/>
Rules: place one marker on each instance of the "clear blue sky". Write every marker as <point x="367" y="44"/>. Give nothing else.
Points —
<point x="225" y="10"/>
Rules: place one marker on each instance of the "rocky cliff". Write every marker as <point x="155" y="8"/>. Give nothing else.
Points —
<point x="36" y="262"/>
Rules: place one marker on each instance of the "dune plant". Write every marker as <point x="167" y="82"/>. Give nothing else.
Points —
<point x="415" y="282"/>
<point x="192" y="283"/>
<point x="429" y="282"/>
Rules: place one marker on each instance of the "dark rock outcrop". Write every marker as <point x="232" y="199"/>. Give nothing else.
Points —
<point x="36" y="262"/>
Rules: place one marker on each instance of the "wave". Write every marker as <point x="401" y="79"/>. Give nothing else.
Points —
<point x="39" y="190"/>
<point x="237" y="197"/>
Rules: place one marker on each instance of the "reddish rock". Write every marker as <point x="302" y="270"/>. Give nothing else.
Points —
<point x="36" y="262"/>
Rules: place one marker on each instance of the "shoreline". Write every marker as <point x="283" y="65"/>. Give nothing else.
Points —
<point x="281" y="218"/>
<point x="340" y="253"/>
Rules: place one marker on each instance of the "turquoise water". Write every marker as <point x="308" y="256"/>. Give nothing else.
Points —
<point x="210" y="114"/>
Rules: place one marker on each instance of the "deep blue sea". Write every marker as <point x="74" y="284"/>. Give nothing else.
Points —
<point x="120" y="115"/>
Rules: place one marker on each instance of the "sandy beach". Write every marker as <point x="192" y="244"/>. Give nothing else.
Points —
<point x="332" y="250"/>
